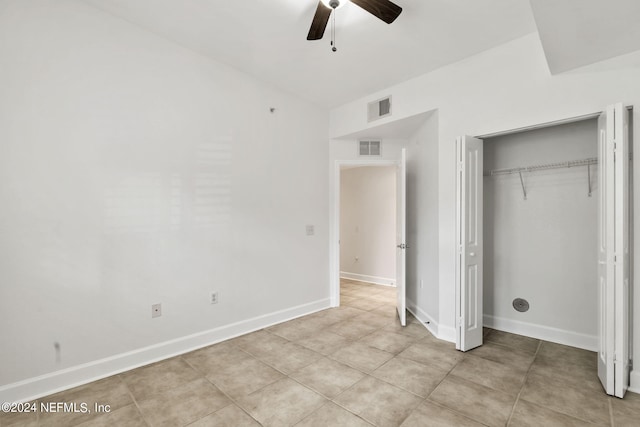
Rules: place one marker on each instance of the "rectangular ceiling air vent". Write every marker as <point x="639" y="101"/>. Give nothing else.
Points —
<point x="369" y="148"/>
<point x="379" y="109"/>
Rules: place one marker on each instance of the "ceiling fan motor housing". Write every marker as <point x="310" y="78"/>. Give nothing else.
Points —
<point x="385" y="10"/>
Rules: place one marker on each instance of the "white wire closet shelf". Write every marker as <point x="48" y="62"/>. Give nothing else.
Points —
<point x="546" y="166"/>
<point x="558" y="165"/>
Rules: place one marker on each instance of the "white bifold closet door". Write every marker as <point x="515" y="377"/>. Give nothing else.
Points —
<point x="469" y="194"/>
<point x="401" y="237"/>
<point x="613" y="250"/>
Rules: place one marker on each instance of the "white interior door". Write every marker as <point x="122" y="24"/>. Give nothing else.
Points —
<point x="613" y="250"/>
<point x="468" y="243"/>
<point x="401" y="237"/>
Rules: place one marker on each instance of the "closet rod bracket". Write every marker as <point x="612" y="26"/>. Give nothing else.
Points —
<point x="524" y="190"/>
<point x="589" y="178"/>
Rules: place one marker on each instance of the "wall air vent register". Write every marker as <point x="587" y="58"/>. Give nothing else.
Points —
<point x="379" y="109"/>
<point x="370" y="148"/>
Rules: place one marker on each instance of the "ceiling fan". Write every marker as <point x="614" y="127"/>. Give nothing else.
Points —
<point x="382" y="9"/>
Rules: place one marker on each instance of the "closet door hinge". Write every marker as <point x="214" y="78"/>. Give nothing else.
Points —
<point x="459" y="322"/>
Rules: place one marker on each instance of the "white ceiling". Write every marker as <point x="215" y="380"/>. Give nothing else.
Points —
<point x="575" y="33"/>
<point x="267" y="38"/>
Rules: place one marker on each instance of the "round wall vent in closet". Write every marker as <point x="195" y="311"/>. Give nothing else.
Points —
<point x="521" y="305"/>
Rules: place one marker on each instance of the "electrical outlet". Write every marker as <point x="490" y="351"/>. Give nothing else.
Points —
<point x="213" y="298"/>
<point x="156" y="310"/>
<point x="421" y="283"/>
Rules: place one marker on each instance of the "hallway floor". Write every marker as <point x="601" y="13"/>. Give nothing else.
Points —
<point x="354" y="366"/>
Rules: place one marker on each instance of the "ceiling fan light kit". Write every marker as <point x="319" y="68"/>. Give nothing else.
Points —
<point x="334" y="4"/>
<point x="384" y="10"/>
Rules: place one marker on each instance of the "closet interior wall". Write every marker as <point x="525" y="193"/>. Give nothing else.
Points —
<point x="543" y="247"/>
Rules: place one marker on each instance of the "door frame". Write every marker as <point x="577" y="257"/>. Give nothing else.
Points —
<point x="334" y="222"/>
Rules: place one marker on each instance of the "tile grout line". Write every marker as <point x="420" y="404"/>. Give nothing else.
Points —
<point x="329" y="357"/>
<point x="433" y="402"/>
<point x="135" y="402"/>
<point x="322" y="406"/>
<point x="288" y="375"/>
<point x="370" y="374"/>
<point x="232" y="400"/>
<point x="571" y="386"/>
<point x="261" y="360"/>
<point x="204" y="377"/>
<point x="524" y="382"/>
<point x="519" y="350"/>
<point x="449" y="372"/>
<point x="428" y="399"/>
<point x="611" y="418"/>
<point x="366" y="374"/>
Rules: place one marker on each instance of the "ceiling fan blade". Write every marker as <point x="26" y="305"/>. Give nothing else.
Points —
<point x="319" y="22"/>
<point x="383" y="9"/>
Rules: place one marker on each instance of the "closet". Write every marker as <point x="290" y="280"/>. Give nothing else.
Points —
<point x="542" y="238"/>
<point x="540" y="232"/>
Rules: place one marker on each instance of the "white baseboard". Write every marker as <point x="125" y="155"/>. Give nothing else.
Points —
<point x="423" y="317"/>
<point x="560" y="336"/>
<point x="634" y="383"/>
<point x="437" y="330"/>
<point x="54" y="382"/>
<point x="447" y="333"/>
<point x="370" y="279"/>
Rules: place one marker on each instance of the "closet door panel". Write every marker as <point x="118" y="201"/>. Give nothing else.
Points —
<point x="469" y="243"/>
<point x="621" y="257"/>
<point x="605" y="257"/>
<point x="613" y="251"/>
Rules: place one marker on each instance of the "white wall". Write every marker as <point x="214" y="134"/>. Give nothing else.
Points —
<point x="368" y="224"/>
<point x="504" y="88"/>
<point x="134" y="172"/>
<point x="422" y="223"/>
<point x="544" y="248"/>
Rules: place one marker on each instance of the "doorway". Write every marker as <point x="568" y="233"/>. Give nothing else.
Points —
<point x="368" y="224"/>
<point x="398" y="243"/>
<point x="367" y="236"/>
<point x="540" y="233"/>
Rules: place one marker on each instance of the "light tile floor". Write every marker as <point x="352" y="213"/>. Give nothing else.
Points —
<point x="354" y="366"/>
